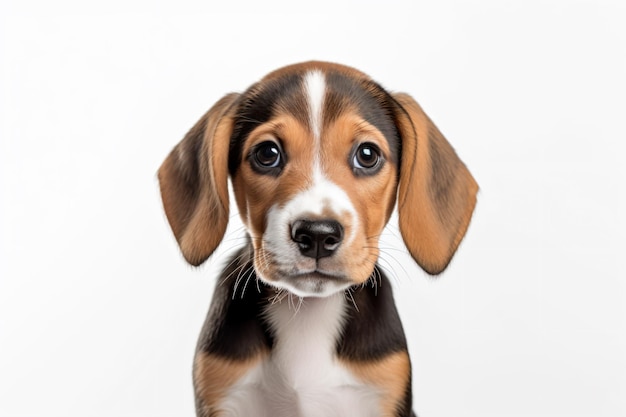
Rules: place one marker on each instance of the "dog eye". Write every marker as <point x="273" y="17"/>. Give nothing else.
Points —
<point x="367" y="158"/>
<point x="267" y="155"/>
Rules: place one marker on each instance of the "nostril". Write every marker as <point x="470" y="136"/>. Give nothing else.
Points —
<point x="303" y="240"/>
<point x="331" y="243"/>
<point x="299" y="232"/>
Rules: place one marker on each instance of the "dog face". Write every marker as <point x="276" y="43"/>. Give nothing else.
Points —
<point x="317" y="154"/>
<point x="314" y="179"/>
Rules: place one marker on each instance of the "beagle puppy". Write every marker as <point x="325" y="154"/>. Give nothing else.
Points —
<point x="303" y="322"/>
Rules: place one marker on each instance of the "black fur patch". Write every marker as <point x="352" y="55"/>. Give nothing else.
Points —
<point x="259" y="104"/>
<point x="374" y="330"/>
<point x="372" y="102"/>
<point x="234" y="327"/>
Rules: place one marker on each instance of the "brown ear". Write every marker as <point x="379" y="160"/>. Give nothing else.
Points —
<point x="436" y="193"/>
<point x="194" y="183"/>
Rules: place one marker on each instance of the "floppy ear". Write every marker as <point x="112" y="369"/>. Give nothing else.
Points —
<point x="436" y="192"/>
<point x="194" y="183"/>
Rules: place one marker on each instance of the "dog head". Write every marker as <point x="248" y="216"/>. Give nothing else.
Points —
<point x="317" y="154"/>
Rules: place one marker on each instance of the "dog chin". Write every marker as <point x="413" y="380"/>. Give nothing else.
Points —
<point x="312" y="284"/>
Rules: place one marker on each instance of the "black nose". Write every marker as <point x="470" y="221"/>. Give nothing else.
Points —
<point x="317" y="239"/>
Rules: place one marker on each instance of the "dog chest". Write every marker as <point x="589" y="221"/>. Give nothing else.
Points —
<point x="302" y="377"/>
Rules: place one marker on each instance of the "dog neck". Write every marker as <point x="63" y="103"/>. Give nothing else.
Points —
<point x="306" y="331"/>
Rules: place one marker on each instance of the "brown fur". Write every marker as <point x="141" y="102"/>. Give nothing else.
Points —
<point x="390" y="374"/>
<point x="436" y="200"/>
<point x="194" y="187"/>
<point x="213" y="376"/>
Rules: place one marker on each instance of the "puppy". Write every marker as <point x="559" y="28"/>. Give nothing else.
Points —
<point x="302" y="322"/>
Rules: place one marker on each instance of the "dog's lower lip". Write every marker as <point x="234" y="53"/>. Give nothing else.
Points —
<point x="318" y="275"/>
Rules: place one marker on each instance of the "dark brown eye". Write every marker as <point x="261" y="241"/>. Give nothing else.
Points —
<point x="367" y="157"/>
<point x="267" y="155"/>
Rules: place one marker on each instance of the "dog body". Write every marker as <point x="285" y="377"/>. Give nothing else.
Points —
<point x="303" y="321"/>
<point x="311" y="356"/>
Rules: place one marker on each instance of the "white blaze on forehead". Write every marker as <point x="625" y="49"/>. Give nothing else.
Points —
<point x="315" y="86"/>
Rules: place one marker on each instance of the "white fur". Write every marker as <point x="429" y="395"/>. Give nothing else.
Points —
<point x="315" y="86"/>
<point x="302" y="377"/>
<point x="322" y="195"/>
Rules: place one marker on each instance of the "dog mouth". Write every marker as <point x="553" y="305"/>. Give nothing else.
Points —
<point x="314" y="283"/>
<point x="319" y="275"/>
<point x="302" y="276"/>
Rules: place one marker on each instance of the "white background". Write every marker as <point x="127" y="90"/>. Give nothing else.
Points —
<point x="99" y="314"/>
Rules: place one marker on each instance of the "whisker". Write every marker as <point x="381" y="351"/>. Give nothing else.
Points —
<point x="234" y="261"/>
<point x="403" y="251"/>
<point x="278" y="296"/>
<point x="250" y="273"/>
<point x="300" y="302"/>
<point x="394" y="231"/>
<point x="240" y="276"/>
<point x="388" y="255"/>
<point x="388" y="267"/>
<point x="349" y="293"/>
<point x="290" y="301"/>
<point x="232" y="238"/>
<point x="377" y="282"/>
